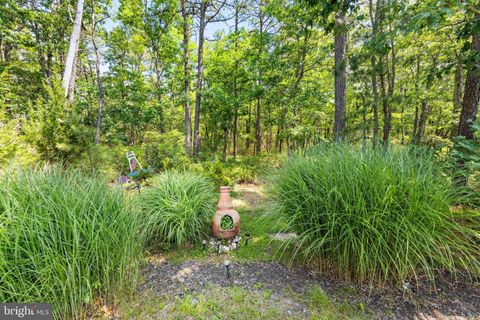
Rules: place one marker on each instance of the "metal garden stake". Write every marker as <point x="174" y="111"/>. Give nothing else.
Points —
<point x="219" y="247"/>
<point x="247" y="237"/>
<point x="227" y="264"/>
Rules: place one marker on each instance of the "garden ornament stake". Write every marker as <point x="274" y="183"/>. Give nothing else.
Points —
<point x="227" y="264"/>
<point x="204" y="243"/>
<point x="226" y="221"/>
<point x="247" y="237"/>
<point x="236" y="244"/>
<point x="219" y="247"/>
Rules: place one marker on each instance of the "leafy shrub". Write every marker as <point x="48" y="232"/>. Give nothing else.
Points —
<point x="64" y="238"/>
<point x="13" y="145"/>
<point x="56" y="129"/>
<point x="239" y="170"/>
<point x="178" y="207"/>
<point x="217" y="172"/>
<point x="464" y="164"/>
<point x="246" y="169"/>
<point x="251" y="168"/>
<point x="164" y="151"/>
<point x="375" y="214"/>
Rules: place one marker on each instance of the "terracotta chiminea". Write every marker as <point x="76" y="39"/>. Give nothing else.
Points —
<point x="225" y="209"/>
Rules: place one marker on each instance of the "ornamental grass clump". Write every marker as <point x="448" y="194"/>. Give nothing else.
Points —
<point x="65" y="238"/>
<point x="177" y="208"/>
<point x="372" y="214"/>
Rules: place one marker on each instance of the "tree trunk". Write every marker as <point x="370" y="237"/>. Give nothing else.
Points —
<point x="247" y="129"/>
<point x="283" y="129"/>
<point x="198" y="96"/>
<point x="96" y="51"/>
<point x="422" y="121"/>
<point x="258" y="121"/>
<point x="392" y="74"/>
<point x="100" y="89"/>
<point x="186" y="75"/>
<point x="387" y="114"/>
<point x="471" y="93"/>
<point x="340" y="77"/>
<point x="258" y="127"/>
<point x="364" y="120"/>
<point x="415" y="126"/>
<point x="373" y="21"/>
<point x="235" y="133"/>
<point x="68" y="79"/>
<point x="71" y="86"/>
<point x="391" y="89"/>
<point x="375" y="99"/>
<point x="225" y="143"/>
<point x="235" y="93"/>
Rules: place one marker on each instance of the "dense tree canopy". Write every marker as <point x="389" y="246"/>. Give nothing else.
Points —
<point x="236" y="77"/>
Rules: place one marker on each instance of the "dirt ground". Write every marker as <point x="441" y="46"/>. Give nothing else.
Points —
<point x="458" y="299"/>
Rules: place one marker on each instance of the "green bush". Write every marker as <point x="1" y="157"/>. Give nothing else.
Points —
<point x="374" y="214"/>
<point x="164" y="151"/>
<point x="177" y="208"/>
<point x="12" y="142"/>
<point x="56" y="130"/>
<point x="247" y="169"/>
<point x="242" y="169"/>
<point x="464" y="165"/>
<point x="218" y="172"/>
<point x="64" y="238"/>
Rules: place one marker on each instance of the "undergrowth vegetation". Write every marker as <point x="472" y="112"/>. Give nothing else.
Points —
<point x="178" y="208"/>
<point x="65" y="238"/>
<point x="372" y="214"/>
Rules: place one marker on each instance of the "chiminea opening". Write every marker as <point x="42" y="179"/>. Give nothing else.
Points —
<point x="226" y="223"/>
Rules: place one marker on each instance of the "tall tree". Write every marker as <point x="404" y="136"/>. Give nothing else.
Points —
<point x="69" y="75"/>
<point x="186" y="75"/>
<point x="203" y="20"/>
<point x="472" y="85"/>
<point x="101" y="94"/>
<point x="340" y="30"/>
<point x="374" y="23"/>
<point x="238" y="4"/>
<point x="258" y="121"/>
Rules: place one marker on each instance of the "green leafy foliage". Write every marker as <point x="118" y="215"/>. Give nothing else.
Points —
<point x="177" y="208"/>
<point x="64" y="238"/>
<point x="217" y="171"/>
<point x="244" y="169"/>
<point x="464" y="166"/>
<point x="13" y="147"/>
<point x="375" y="214"/>
<point x="164" y="151"/>
<point x="56" y="130"/>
